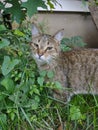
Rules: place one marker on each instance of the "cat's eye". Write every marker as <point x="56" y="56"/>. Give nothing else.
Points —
<point x="36" y="45"/>
<point x="49" y="48"/>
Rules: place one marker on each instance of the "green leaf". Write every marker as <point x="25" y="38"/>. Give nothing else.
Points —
<point x="43" y="73"/>
<point x="2" y="28"/>
<point x="58" y="85"/>
<point x="74" y="42"/>
<point x="35" y="102"/>
<point x="1" y="5"/>
<point x="77" y="41"/>
<point x="19" y="33"/>
<point x="37" y="99"/>
<point x="4" y="43"/>
<point x="50" y="74"/>
<point x="12" y="115"/>
<point x="65" y="44"/>
<point x="75" y="113"/>
<point x="36" y="91"/>
<point x="2" y="96"/>
<point x="19" y="98"/>
<point x="8" y="65"/>
<point x="16" y="11"/>
<point x="32" y="6"/>
<point x="40" y="81"/>
<point x="8" y="84"/>
<point x="34" y="105"/>
<point x="3" y="119"/>
<point x="50" y="4"/>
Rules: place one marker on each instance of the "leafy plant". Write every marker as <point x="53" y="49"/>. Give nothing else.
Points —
<point x="75" y="113"/>
<point x="8" y="65"/>
<point x="20" y="9"/>
<point x="23" y="91"/>
<point x="72" y="43"/>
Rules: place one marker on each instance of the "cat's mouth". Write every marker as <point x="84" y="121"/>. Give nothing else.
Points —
<point x="41" y="60"/>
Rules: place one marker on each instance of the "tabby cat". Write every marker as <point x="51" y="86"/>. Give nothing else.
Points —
<point x="76" y="70"/>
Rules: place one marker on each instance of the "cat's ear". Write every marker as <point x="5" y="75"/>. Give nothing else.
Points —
<point x="59" y="35"/>
<point x="35" y="30"/>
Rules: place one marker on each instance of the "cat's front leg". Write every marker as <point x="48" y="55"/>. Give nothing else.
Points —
<point x="60" y="96"/>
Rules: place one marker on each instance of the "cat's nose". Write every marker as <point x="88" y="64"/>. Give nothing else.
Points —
<point x="40" y="55"/>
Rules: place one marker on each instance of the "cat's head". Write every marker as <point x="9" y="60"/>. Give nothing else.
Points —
<point x="45" y="48"/>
